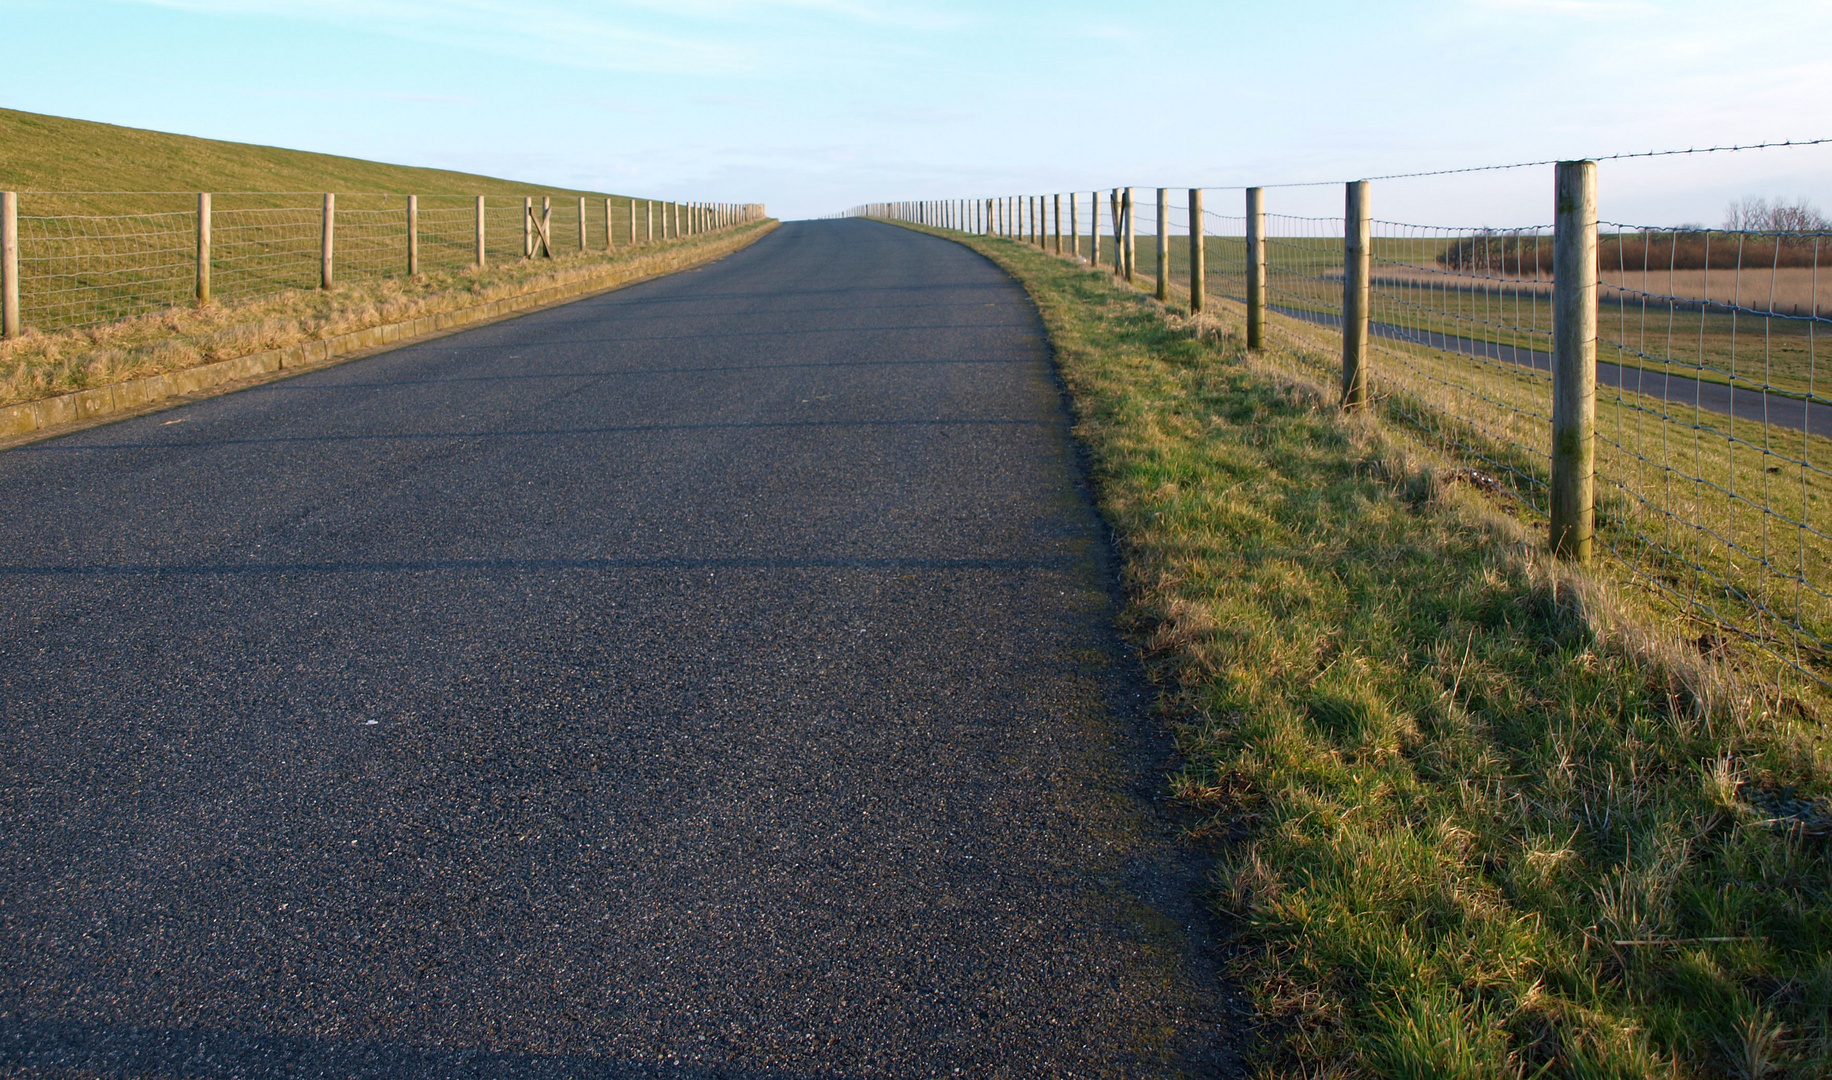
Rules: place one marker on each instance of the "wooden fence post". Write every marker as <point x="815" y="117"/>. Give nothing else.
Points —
<point x="1119" y="244"/>
<point x="413" y="235"/>
<point x="1163" y="245"/>
<point x="1357" y="262"/>
<point x="1131" y="235"/>
<point x="1199" y="268"/>
<point x="581" y="224"/>
<point x="1074" y="226"/>
<point x="610" y="242"/>
<point x="325" y="248"/>
<point x="481" y="253"/>
<point x="1256" y="269"/>
<point x="527" y="227"/>
<point x="648" y="219"/>
<point x="203" y="247"/>
<point x="1574" y="359"/>
<point x="9" y="264"/>
<point x="547" y="226"/>
<point x="1094" y="229"/>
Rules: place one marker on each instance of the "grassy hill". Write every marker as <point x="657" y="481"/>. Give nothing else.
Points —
<point x="54" y="153"/>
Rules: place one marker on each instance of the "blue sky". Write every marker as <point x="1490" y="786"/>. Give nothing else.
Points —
<point x="813" y="105"/>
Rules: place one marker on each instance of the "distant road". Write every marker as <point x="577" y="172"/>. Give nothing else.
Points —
<point x="710" y="678"/>
<point x="1677" y="391"/>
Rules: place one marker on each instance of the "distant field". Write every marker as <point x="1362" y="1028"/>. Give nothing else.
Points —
<point x="1636" y="330"/>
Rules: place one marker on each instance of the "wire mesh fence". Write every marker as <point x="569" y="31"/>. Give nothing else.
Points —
<point x="69" y="266"/>
<point x="1710" y="450"/>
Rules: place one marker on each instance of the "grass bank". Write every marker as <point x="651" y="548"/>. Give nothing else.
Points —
<point x="109" y="169"/>
<point x="1479" y="815"/>
<point x="39" y="365"/>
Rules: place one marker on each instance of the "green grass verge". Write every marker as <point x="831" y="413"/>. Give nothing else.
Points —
<point x="1483" y="816"/>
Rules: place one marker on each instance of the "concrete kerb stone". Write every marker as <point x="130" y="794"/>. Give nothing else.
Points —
<point x="29" y="417"/>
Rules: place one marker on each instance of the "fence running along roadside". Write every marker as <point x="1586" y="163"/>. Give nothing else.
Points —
<point x="1650" y="393"/>
<point x="63" y="265"/>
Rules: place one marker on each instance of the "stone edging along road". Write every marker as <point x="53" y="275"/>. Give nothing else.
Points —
<point x="32" y="420"/>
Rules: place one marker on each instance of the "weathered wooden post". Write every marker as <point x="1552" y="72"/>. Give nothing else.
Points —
<point x="1119" y="245"/>
<point x="1094" y="229"/>
<point x="1074" y="226"/>
<point x="203" y="247"/>
<point x="581" y="224"/>
<point x="1199" y="262"/>
<point x="547" y="226"/>
<point x="1256" y="269"/>
<point x="9" y="264"/>
<point x="413" y="235"/>
<point x="1131" y="235"/>
<point x="481" y="253"/>
<point x="648" y="221"/>
<point x="609" y="242"/>
<point x="1357" y="264"/>
<point x="1574" y="359"/>
<point x="527" y="227"/>
<point x="1163" y="245"/>
<point x="325" y="277"/>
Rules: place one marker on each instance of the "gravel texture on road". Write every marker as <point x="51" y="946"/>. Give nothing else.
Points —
<point x="714" y="678"/>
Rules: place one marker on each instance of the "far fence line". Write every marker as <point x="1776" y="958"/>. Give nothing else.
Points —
<point x="72" y="270"/>
<point x="1695" y="453"/>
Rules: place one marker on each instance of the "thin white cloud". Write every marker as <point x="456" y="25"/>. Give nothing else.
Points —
<point x="1583" y="9"/>
<point x="546" y="32"/>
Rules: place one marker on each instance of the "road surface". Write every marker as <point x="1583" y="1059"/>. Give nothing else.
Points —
<point x="710" y="678"/>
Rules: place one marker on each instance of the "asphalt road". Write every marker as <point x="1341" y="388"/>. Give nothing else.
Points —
<point x="1681" y="394"/>
<point x="711" y="678"/>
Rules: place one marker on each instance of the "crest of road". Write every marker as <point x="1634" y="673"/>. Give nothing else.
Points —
<point x="714" y="677"/>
